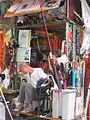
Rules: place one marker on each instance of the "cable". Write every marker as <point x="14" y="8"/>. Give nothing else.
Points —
<point x="45" y="25"/>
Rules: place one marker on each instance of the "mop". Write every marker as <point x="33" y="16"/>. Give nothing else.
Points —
<point x="5" y="103"/>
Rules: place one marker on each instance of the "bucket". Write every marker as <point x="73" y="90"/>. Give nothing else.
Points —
<point x="2" y="111"/>
<point x="68" y="104"/>
<point x="56" y="104"/>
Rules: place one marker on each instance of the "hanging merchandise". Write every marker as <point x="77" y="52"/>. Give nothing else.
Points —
<point x="87" y="71"/>
<point x="82" y="65"/>
<point x="63" y="76"/>
<point x="74" y="74"/>
<point x="40" y="55"/>
<point x="69" y="39"/>
<point x="70" y="35"/>
<point x="73" y="78"/>
<point x="7" y="38"/>
<point x="86" y="17"/>
<point x="81" y="73"/>
<point x="78" y="76"/>
<point x="87" y="76"/>
<point x="63" y="47"/>
<point x="69" y="82"/>
<point x="56" y="75"/>
<point x="55" y="44"/>
<point x="53" y="68"/>
<point x="78" y="42"/>
<point x="63" y="59"/>
<point x="2" y="50"/>
<point x="66" y="49"/>
<point x="70" y="32"/>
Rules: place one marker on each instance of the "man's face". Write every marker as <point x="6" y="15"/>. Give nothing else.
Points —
<point x="23" y="68"/>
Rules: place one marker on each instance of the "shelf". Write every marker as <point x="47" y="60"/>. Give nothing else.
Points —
<point x="34" y="116"/>
<point x="37" y="116"/>
<point x="54" y="26"/>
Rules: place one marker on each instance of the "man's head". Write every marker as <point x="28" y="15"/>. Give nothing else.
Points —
<point x="23" y="67"/>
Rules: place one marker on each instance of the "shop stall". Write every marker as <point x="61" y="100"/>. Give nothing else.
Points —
<point x="43" y="30"/>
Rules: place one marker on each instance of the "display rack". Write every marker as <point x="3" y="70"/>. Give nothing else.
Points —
<point x="58" y="26"/>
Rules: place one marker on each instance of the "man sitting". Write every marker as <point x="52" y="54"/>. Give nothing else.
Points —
<point x="28" y="92"/>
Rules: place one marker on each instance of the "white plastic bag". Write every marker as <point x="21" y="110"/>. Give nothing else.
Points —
<point x="86" y="18"/>
<point x="6" y="81"/>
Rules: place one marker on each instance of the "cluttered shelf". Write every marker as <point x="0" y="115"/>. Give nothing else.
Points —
<point x="58" y="26"/>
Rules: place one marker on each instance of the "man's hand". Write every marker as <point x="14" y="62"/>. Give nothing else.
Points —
<point x="48" y="79"/>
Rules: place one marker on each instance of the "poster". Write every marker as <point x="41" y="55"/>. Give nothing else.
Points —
<point x="24" y="38"/>
<point x="23" y="54"/>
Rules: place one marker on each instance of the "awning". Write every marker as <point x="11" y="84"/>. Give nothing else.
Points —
<point x="31" y="6"/>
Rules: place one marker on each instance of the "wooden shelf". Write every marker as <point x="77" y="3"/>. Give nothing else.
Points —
<point x="33" y="116"/>
<point x="54" y="26"/>
<point x="38" y="116"/>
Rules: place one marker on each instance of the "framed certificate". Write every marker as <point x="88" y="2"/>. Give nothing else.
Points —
<point x="24" y="38"/>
